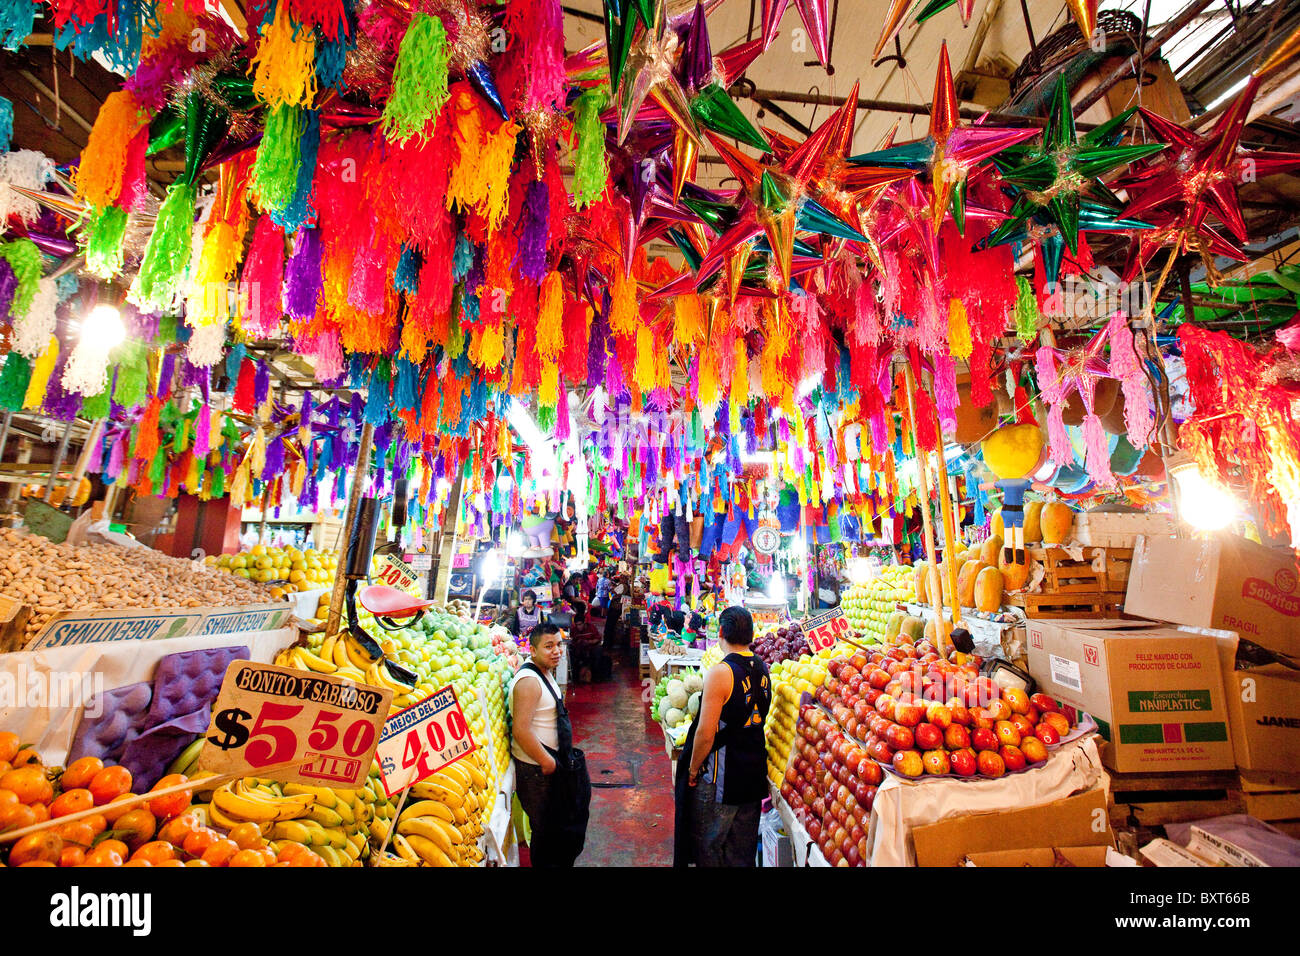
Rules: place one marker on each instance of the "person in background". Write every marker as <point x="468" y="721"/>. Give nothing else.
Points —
<point x="604" y="585"/>
<point x="722" y="772"/>
<point x="527" y="616"/>
<point x="541" y="737"/>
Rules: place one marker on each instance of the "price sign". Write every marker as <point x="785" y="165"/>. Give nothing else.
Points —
<point x="823" y="630"/>
<point x="422" y="739"/>
<point x="420" y="561"/>
<point x="267" y="716"/>
<point x="395" y="572"/>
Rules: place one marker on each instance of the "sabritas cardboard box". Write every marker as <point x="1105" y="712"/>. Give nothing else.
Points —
<point x="1080" y="820"/>
<point x="1156" y="692"/>
<point x="1263" y="713"/>
<point x="1221" y="582"/>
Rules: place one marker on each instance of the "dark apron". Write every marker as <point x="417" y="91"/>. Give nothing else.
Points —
<point x="568" y="796"/>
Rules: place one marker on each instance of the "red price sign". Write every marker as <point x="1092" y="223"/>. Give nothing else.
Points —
<point x="395" y="572"/>
<point x="422" y="739"/>
<point x="823" y="630"/>
<point x="267" y="716"/>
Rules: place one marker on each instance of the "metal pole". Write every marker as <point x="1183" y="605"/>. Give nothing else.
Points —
<point x="923" y="470"/>
<point x="359" y="473"/>
<point x="58" y="461"/>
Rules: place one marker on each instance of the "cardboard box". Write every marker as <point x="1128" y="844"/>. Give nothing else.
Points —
<point x="1080" y="820"/>
<point x="1089" y="856"/>
<point x="1263" y="713"/>
<point x="1109" y="529"/>
<point x="1221" y="582"/>
<point x="1156" y="692"/>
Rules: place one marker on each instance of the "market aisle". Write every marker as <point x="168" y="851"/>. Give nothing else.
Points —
<point x="632" y="800"/>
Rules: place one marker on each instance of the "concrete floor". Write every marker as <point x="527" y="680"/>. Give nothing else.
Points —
<point x="631" y="798"/>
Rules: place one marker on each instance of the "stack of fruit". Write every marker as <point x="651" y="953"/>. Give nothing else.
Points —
<point x="831" y="785"/>
<point x="291" y="569"/>
<point x="164" y="831"/>
<point x="790" y="681"/>
<point x="493" y="695"/>
<point x="869" y="606"/>
<point x="677" y="702"/>
<point x="444" y="816"/>
<point x="920" y="714"/>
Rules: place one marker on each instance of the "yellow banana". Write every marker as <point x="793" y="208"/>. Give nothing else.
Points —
<point x="405" y="850"/>
<point x="379" y="830"/>
<point x="293" y="830"/>
<point x="310" y="661"/>
<point x="333" y="856"/>
<point x="339" y="652"/>
<point x="359" y="660"/>
<point x="325" y="816"/>
<point x="351" y="673"/>
<point x="439" y="831"/>
<point x="457" y="771"/>
<point x="325" y="650"/>
<point x="477" y="777"/>
<point x="427" y="808"/>
<point x="429" y="851"/>
<point x="256" y="807"/>
<point x="459" y="816"/>
<point x="322" y="796"/>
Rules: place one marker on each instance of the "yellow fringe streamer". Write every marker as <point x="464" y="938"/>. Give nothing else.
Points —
<point x="739" y="377"/>
<point x="494" y="166"/>
<point x="688" y="319"/>
<point x="548" y="384"/>
<point x="465" y="187"/>
<point x="221" y="252"/>
<point x="663" y="367"/>
<point x="492" y="348"/>
<point x="415" y="342"/>
<point x="708" y="379"/>
<point x="643" y="374"/>
<point x="550" y="317"/>
<point x="239" y="486"/>
<point x="42" y="369"/>
<point x="959" y="341"/>
<point x="623" y="310"/>
<point x="103" y="162"/>
<point x="285" y="65"/>
<point x="256" y="458"/>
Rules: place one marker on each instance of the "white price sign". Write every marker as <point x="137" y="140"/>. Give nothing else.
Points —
<point x="823" y="630"/>
<point x="395" y="572"/>
<point x="422" y="739"/>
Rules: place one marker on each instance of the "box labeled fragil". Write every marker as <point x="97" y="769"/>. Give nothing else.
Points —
<point x="1156" y="692"/>
<point x="1222" y="582"/>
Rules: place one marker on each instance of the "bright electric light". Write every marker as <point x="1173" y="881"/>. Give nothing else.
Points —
<point x="859" y="571"/>
<point x="776" y="588"/>
<point x="103" y="327"/>
<point x="491" y="566"/>
<point x="1201" y="503"/>
<point x="514" y="544"/>
<point x="505" y="480"/>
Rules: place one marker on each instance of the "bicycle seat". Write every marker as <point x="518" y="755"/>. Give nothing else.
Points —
<point x="383" y="601"/>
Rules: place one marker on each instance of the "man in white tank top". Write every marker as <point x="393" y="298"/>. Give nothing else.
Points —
<point x="535" y="732"/>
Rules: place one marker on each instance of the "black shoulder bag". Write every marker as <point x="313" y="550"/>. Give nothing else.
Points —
<point x="568" y="798"/>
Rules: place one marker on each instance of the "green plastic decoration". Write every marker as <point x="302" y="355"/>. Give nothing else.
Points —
<point x="589" y="168"/>
<point x="168" y="253"/>
<point x="104" y="234"/>
<point x="419" y="78"/>
<point x="275" y="171"/>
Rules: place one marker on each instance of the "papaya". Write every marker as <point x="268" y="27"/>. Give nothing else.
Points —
<point x="893" y="625"/>
<point x="991" y="549"/>
<point x="1033" y="521"/>
<point x="1014" y="576"/>
<point x="966" y="582"/>
<point x="988" y="590"/>
<point x="911" y="630"/>
<point x="995" y="524"/>
<point x="922" y="582"/>
<point x="1056" y="519"/>
<point x="932" y="630"/>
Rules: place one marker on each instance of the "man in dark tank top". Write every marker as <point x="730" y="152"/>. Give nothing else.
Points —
<point x="722" y="773"/>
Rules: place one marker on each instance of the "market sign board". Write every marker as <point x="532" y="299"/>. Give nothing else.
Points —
<point x="294" y="725"/>
<point x="823" y="630"/>
<point x="395" y="572"/>
<point x="420" y="740"/>
<point x="156" y="624"/>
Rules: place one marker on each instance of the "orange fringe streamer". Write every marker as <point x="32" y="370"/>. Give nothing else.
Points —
<point x="103" y="162"/>
<point x="643" y="373"/>
<point x="465" y="188"/>
<point x="623" y="315"/>
<point x="688" y="319"/>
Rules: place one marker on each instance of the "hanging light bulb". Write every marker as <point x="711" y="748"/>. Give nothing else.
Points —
<point x="1201" y="503"/>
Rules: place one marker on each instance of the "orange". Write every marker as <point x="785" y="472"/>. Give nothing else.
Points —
<point x="245" y="858"/>
<point x="8" y="798"/>
<point x="72" y="856"/>
<point x="104" y="855"/>
<point x="29" y="784"/>
<point x="78" y="833"/>
<point x="43" y="846"/>
<point x="198" y="841"/>
<point x="179" y="863"/>
<point x="71" y="801"/>
<point x="109" y="783"/>
<point x="80" y="772"/>
<point x="136" y="827"/>
<point x="116" y="807"/>
<point x="27" y="757"/>
<point x="155" y="852"/>
<point x="175" y="830"/>
<point x="267" y="854"/>
<point x="308" y="858"/>
<point x="197" y="863"/>
<point x="289" y="851"/>
<point x="117" y="846"/>
<point x="246" y="836"/>
<point x="219" y="853"/>
<point x="97" y="822"/>
<point x="38" y="863"/>
<point x="42" y="812"/>
<point x="173" y="804"/>
<point x="5" y="767"/>
<point x="137" y="863"/>
<point x="9" y="745"/>
<point x="16" y="816"/>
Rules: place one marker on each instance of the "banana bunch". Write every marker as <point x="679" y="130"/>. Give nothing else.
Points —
<point x="336" y="825"/>
<point x="252" y="800"/>
<point x="442" y="821"/>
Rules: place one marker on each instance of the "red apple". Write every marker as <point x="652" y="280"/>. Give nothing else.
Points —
<point x="1012" y="757"/>
<point x="936" y="762"/>
<point x="956" y="737"/>
<point x="878" y="678"/>
<point x="1008" y="733"/>
<point x="862" y="710"/>
<point x="871" y="695"/>
<point x="885" y="705"/>
<point x="909" y="715"/>
<point x="928" y="736"/>
<point x="990" y="764"/>
<point x="899" y="737"/>
<point x="963" y="762"/>
<point x="939" y="714"/>
<point x="870" y="773"/>
<point x="1047" y="734"/>
<point x="1022" y="724"/>
<point x="1016" y="699"/>
<point x="1044" y="703"/>
<point x="883" y="752"/>
<point x="960" y="713"/>
<point x="908" y="763"/>
<point x="971" y="696"/>
<point x="999" y="709"/>
<point x="814" y="830"/>
<point x="984" y="739"/>
<point x="1035" y="750"/>
<point x="1059" y="721"/>
<point x="982" y="718"/>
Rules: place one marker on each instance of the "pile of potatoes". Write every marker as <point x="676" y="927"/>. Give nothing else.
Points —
<point x="51" y="578"/>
